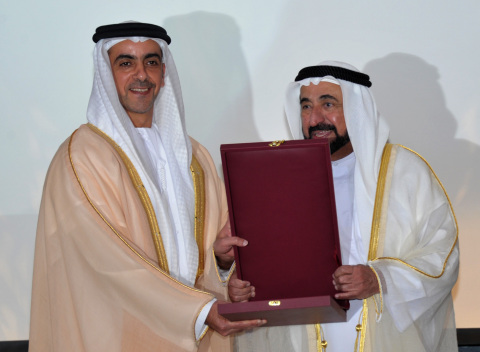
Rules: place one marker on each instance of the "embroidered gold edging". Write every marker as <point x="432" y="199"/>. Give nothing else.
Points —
<point x="203" y="334"/>
<point x="144" y="198"/>
<point x="364" y="325"/>
<point x="378" y="310"/>
<point x="456" y="226"/>
<point x="417" y="269"/>
<point x="198" y="177"/>
<point x="374" y="237"/>
<point x="377" y="209"/>
<point x="216" y="268"/>
<point x="321" y="342"/>
<point x="385" y="201"/>
<point x="362" y="329"/>
<point x="145" y="260"/>
<point x="230" y="272"/>
<point x="319" y="337"/>
<point x="194" y="322"/>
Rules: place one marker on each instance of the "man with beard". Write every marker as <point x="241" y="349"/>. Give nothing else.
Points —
<point x="125" y="255"/>
<point x="398" y="233"/>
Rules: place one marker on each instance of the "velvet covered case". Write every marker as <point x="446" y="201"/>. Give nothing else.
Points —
<point x="281" y="199"/>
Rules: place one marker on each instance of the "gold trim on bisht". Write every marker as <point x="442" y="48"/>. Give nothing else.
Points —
<point x="362" y="328"/>
<point x="321" y="342"/>
<point x="144" y="198"/>
<point x="432" y="275"/>
<point x="374" y="237"/>
<point x="145" y="260"/>
<point x="377" y="209"/>
<point x="199" y="226"/>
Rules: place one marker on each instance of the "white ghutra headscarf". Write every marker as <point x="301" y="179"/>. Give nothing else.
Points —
<point x="368" y="133"/>
<point x="106" y="112"/>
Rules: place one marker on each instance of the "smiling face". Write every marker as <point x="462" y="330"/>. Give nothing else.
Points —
<point x="138" y="72"/>
<point x="322" y="116"/>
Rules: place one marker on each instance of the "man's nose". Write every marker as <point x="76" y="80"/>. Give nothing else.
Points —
<point x="317" y="116"/>
<point x="141" y="73"/>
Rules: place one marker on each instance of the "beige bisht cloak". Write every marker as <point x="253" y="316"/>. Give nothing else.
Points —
<point x="99" y="278"/>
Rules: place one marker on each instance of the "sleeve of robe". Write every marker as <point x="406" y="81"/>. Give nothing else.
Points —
<point x="97" y="285"/>
<point x="418" y="256"/>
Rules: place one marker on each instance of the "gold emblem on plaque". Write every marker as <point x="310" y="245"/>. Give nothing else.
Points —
<point x="276" y="143"/>
<point x="274" y="303"/>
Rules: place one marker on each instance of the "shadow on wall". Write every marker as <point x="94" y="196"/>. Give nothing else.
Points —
<point x="410" y="98"/>
<point x="215" y="81"/>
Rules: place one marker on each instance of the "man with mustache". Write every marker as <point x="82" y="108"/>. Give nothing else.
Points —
<point x="398" y="233"/>
<point x="126" y="251"/>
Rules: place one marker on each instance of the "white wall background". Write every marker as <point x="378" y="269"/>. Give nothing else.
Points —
<point x="235" y="59"/>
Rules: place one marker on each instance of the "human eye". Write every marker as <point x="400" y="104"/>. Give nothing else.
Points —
<point x="124" y="63"/>
<point x="328" y="105"/>
<point x="153" y="62"/>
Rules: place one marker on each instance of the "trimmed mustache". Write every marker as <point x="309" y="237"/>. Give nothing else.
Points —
<point x="322" y="127"/>
<point x="336" y="143"/>
<point x="141" y="84"/>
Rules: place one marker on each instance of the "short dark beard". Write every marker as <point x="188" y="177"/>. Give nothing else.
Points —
<point x="337" y="143"/>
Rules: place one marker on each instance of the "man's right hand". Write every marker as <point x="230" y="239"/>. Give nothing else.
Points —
<point x="238" y="290"/>
<point x="226" y="327"/>
<point x="223" y="246"/>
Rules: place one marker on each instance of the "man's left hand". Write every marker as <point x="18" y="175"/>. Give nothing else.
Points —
<point x="223" y="246"/>
<point x="355" y="282"/>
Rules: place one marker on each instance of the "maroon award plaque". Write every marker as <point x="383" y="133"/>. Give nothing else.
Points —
<point x="281" y="199"/>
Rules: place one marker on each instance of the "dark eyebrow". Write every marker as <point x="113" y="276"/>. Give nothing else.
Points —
<point x="150" y="55"/>
<point x="124" y="56"/>
<point x="328" y="96"/>
<point x="131" y="57"/>
<point x="322" y="97"/>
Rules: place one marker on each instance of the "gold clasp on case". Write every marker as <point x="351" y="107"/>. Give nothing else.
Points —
<point x="274" y="303"/>
<point x="276" y="143"/>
